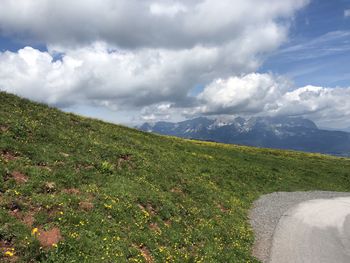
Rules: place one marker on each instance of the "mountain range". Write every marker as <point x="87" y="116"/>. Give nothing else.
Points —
<point x="294" y="133"/>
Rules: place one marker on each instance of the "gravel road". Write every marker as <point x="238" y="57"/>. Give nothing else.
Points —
<point x="265" y="218"/>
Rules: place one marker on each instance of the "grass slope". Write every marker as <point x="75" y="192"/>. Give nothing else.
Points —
<point x="120" y="195"/>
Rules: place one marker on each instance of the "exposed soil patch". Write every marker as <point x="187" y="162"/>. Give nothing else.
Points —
<point x="167" y="222"/>
<point x="86" y="206"/>
<point x="49" y="238"/>
<point x="125" y="159"/>
<point x="177" y="190"/>
<point x="71" y="191"/>
<point x="148" y="208"/>
<point x="26" y="218"/>
<point x="154" y="227"/>
<point x="19" y="177"/>
<point x="145" y="253"/>
<point x="223" y="209"/>
<point x="8" y="156"/>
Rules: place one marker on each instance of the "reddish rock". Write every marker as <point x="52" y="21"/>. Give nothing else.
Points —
<point x="4" y="128"/>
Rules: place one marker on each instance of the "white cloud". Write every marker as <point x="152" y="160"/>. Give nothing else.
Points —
<point x="118" y="78"/>
<point x="128" y="53"/>
<point x="157" y="84"/>
<point x="327" y="106"/>
<point x="347" y="13"/>
<point x="265" y="94"/>
<point x="147" y="23"/>
<point x="148" y="55"/>
<point x="251" y="94"/>
<point x="171" y="10"/>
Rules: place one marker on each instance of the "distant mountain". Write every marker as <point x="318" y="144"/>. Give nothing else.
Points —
<point x="272" y="132"/>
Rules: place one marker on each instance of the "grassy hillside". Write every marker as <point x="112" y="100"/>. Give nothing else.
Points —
<point x="74" y="189"/>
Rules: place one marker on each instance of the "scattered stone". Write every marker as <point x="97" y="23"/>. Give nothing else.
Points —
<point x="4" y="128"/>
<point x="14" y="206"/>
<point x="50" y="187"/>
<point x="49" y="238"/>
<point x="64" y="154"/>
<point x="43" y="165"/>
<point x="177" y="190"/>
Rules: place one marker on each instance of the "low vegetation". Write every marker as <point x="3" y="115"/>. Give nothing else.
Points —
<point x="74" y="189"/>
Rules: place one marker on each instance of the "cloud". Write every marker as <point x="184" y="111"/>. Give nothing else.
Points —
<point x="140" y="24"/>
<point x="132" y="54"/>
<point x="148" y="56"/>
<point x="251" y="94"/>
<point x="269" y="95"/>
<point x="118" y="78"/>
<point x="327" y="106"/>
<point x="347" y="13"/>
<point x="171" y="10"/>
<point x="157" y="84"/>
<point x="329" y="44"/>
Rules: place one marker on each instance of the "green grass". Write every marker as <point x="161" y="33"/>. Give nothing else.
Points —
<point x="176" y="200"/>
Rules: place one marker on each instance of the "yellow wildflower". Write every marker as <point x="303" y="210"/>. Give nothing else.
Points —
<point x="108" y="206"/>
<point x="35" y="231"/>
<point x="9" y="254"/>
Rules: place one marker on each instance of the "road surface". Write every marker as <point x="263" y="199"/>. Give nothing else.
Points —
<point x="316" y="231"/>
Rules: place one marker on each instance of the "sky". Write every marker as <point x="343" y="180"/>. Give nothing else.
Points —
<point x="132" y="61"/>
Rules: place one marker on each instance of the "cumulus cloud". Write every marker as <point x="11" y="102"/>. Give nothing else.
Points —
<point x="251" y="93"/>
<point x="149" y="55"/>
<point x="171" y="10"/>
<point x="269" y="95"/>
<point x="327" y="106"/>
<point x="124" y="78"/>
<point x="147" y="23"/>
<point x="157" y="83"/>
<point x="131" y="53"/>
